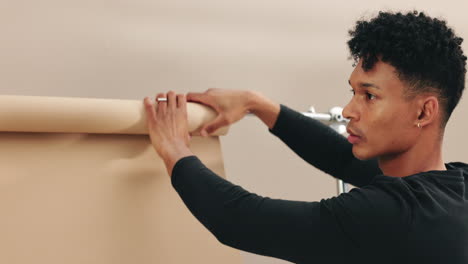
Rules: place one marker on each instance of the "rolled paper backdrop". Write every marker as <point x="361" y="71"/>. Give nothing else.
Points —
<point x="90" y="188"/>
<point x="87" y="115"/>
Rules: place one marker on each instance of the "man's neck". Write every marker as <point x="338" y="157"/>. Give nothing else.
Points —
<point x="425" y="155"/>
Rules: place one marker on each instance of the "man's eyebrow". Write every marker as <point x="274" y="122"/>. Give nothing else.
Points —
<point x="367" y="85"/>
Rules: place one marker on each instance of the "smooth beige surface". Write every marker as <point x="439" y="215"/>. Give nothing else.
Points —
<point x="81" y="197"/>
<point x="96" y="199"/>
<point x="86" y="115"/>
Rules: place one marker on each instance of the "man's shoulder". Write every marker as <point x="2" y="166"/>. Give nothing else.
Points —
<point x="457" y="165"/>
<point x="379" y="200"/>
<point x="368" y="214"/>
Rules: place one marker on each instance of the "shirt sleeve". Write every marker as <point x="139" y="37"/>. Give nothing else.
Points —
<point x="296" y="231"/>
<point x="323" y="147"/>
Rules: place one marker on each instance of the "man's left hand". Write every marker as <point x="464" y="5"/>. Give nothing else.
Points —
<point x="168" y="127"/>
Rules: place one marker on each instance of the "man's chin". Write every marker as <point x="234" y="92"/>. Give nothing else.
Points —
<point x="362" y="154"/>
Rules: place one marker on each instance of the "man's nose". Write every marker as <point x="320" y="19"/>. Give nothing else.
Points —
<point x="350" y="112"/>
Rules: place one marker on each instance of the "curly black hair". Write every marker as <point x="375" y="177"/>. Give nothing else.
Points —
<point x="425" y="52"/>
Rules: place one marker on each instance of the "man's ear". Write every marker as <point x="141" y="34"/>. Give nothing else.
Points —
<point x="428" y="110"/>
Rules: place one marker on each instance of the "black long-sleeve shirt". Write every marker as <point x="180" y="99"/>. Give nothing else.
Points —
<point x="421" y="218"/>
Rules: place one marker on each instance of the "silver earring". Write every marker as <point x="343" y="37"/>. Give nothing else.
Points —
<point x="419" y="125"/>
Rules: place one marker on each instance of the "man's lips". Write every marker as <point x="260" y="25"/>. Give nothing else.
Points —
<point x="353" y="138"/>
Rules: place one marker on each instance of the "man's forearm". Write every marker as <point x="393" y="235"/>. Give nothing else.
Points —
<point x="263" y="108"/>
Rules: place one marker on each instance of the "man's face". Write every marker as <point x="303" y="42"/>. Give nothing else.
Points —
<point x="378" y="113"/>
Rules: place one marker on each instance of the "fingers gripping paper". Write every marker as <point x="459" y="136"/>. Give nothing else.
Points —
<point x="87" y="186"/>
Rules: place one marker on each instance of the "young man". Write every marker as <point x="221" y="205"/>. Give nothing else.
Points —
<point x="410" y="206"/>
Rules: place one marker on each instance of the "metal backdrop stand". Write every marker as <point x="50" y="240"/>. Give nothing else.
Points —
<point x="334" y="118"/>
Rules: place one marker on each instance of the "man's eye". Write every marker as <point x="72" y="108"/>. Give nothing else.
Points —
<point x="370" y="96"/>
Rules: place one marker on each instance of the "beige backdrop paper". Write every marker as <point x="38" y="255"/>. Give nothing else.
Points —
<point x="69" y="197"/>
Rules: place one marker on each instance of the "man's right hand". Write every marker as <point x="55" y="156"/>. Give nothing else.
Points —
<point x="231" y="106"/>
